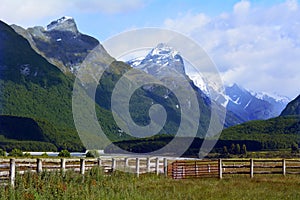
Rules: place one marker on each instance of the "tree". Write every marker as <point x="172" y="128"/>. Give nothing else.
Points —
<point x="92" y="154"/>
<point x="2" y="152"/>
<point x="64" y="153"/>
<point x="232" y="149"/>
<point x="26" y="154"/>
<point x="244" y="150"/>
<point x="16" y="153"/>
<point x="45" y="155"/>
<point x="238" y="149"/>
<point x="295" y="148"/>
<point x="225" y="152"/>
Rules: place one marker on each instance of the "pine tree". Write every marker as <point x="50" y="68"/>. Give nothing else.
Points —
<point x="244" y="149"/>
<point x="238" y="149"/>
<point x="295" y="148"/>
<point x="232" y="149"/>
<point x="225" y="151"/>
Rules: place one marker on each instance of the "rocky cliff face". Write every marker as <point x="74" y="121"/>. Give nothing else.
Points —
<point x="60" y="43"/>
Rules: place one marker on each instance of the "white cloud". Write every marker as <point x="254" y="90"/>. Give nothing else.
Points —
<point x="188" y="22"/>
<point x="241" y="7"/>
<point x="109" y="7"/>
<point x="29" y="11"/>
<point x="292" y="4"/>
<point x="256" y="47"/>
<point x="32" y="12"/>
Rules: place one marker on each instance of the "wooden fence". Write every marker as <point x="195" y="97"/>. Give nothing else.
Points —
<point x="9" y="167"/>
<point x="177" y="169"/>
<point x="219" y="168"/>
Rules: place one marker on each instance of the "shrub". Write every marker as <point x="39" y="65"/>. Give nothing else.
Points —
<point x="16" y="153"/>
<point x="92" y="154"/>
<point x="294" y="148"/>
<point x="64" y="153"/>
<point x="44" y="154"/>
<point x="26" y="154"/>
<point x="2" y="152"/>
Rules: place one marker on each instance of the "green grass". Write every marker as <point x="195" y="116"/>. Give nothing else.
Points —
<point x="95" y="185"/>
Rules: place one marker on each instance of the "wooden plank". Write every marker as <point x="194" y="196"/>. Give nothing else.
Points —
<point x="12" y="172"/>
<point x="251" y="168"/>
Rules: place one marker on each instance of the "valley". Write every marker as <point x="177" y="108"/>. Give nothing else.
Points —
<point x="39" y="66"/>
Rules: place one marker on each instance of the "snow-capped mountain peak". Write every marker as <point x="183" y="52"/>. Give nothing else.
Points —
<point x="164" y="51"/>
<point x="276" y="97"/>
<point x="161" y="60"/>
<point x="251" y="105"/>
<point x="244" y="104"/>
<point x="63" y="24"/>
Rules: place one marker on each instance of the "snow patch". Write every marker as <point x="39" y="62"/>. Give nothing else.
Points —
<point x="274" y="96"/>
<point x="237" y="101"/>
<point x="225" y="103"/>
<point x="248" y="104"/>
<point x="56" y="23"/>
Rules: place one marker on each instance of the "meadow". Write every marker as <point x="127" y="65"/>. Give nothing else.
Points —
<point x="97" y="185"/>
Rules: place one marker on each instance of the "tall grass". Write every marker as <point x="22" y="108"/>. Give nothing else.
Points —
<point x="96" y="185"/>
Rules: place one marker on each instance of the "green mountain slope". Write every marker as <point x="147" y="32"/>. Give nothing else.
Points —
<point x="26" y="134"/>
<point x="274" y="133"/>
<point x="71" y="50"/>
<point x="32" y="87"/>
<point x="144" y="97"/>
<point x="293" y="108"/>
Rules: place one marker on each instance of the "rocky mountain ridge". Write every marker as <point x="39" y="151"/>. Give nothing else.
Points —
<point x="245" y="104"/>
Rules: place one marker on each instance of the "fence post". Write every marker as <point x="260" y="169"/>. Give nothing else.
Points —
<point x="196" y="169"/>
<point x="157" y="166"/>
<point x="99" y="162"/>
<point x="39" y="165"/>
<point x="137" y="167"/>
<point x="173" y="169"/>
<point x="63" y="164"/>
<point x="220" y="169"/>
<point x="82" y="166"/>
<point x="251" y="168"/>
<point x="12" y="172"/>
<point x="113" y="164"/>
<point x="166" y="167"/>
<point x="283" y="167"/>
<point x="148" y="165"/>
<point x="126" y="161"/>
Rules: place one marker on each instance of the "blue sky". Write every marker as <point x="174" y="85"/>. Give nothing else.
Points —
<point x="95" y="18"/>
<point x="253" y="43"/>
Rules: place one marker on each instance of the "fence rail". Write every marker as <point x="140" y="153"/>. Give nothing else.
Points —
<point x="221" y="167"/>
<point x="177" y="169"/>
<point x="9" y="167"/>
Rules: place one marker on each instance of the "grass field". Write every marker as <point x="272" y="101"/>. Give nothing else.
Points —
<point x="96" y="185"/>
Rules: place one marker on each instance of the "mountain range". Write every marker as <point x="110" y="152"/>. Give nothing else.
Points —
<point x="244" y="104"/>
<point x="37" y="71"/>
<point x="275" y="133"/>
